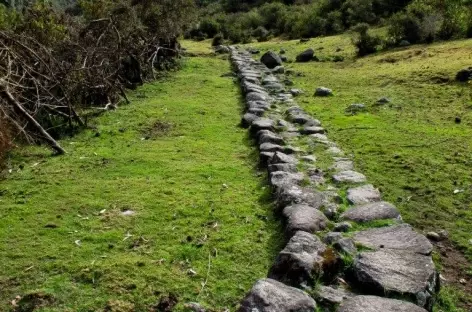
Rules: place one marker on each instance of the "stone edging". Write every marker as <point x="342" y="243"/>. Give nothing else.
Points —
<point x="348" y="266"/>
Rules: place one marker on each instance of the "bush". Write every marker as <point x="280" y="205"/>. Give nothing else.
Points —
<point x="217" y="40"/>
<point x="405" y="26"/>
<point x="261" y="34"/>
<point x="209" y="27"/>
<point x="365" y="43"/>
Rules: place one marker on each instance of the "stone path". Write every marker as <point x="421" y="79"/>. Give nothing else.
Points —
<point x="379" y="269"/>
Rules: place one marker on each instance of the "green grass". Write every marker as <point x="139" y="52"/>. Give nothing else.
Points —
<point x="192" y="185"/>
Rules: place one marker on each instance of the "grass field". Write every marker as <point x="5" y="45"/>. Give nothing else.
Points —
<point x="416" y="149"/>
<point x="200" y="227"/>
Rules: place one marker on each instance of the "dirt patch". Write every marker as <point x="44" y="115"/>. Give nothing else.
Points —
<point x="33" y="301"/>
<point x="158" y="129"/>
<point x="454" y="271"/>
<point x="166" y="303"/>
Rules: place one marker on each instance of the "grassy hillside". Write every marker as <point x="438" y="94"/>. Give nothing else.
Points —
<point x="199" y="226"/>
<point x="416" y="149"/>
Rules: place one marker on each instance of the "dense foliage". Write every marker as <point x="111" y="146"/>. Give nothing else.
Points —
<point x="55" y="63"/>
<point x="408" y="20"/>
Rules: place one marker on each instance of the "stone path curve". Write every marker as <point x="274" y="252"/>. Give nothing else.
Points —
<point x="387" y="269"/>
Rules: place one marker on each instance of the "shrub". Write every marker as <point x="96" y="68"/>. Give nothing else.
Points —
<point x="217" y="40"/>
<point x="261" y="34"/>
<point x="365" y="43"/>
<point x="209" y="27"/>
<point x="405" y="26"/>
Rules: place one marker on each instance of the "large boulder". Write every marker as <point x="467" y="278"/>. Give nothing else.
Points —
<point x="268" y="295"/>
<point x="400" y="237"/>
<point x="371" y="212"/>
<point x="305" y="56"/>
<point x="397" y="273"/>
<point x="300" y="262"/>
<point x="271" y="59"/>
<point x="377" y="304"/>
<point x="304" y="218"/>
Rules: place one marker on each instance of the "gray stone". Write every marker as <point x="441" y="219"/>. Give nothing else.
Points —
<point x="281" y="158"/>
<point x="382" y="101"/>
<point x="248" y="119"/>
<point x="269" y="79"/>
<point x="343" y="165"/>
<point x="259" y="112"/>
<point x="346" y="245"/>
<point x="342" y="227"/>
<point x="401" y="237"/>
<point x="319" y="137"/>
<point x="278" y="70"/>
<point x="312" y="130"/>
<point x="363" y="195"/>
<point x="270" y="137"/>
<point x="278" y="179"/>
<point x="371" y="212"/>
<point x="295" y="194"/>
<point x="433" y="236"/>
<point x="270" y="147"/>
<point x="356" y="108"/>
<point x="271" y="60"/>
<point x="265" y="158"/>
<point x="349" y="176"/>
<point x="275" y="87"/>
<point x="335" y="151"/>
<point x="332" y="237"/>
<point x="330" y="210"/>
<point x="322" y="91"/>
<point x="296" y="92"/>
<point x="404" y="43"/>
<point x="282" y="167"/>
<point x="268" y="295"/>
<point x="397" y="272"/>
<point x="300" y="262"/>
<point x="262" y="124"/>
<point x="464" y="75"/>
<point x="257" y="96"/>
<point x="258" y="105"/>
<point x="332" y="296"/>
<point x="315" y="175"/>
<point x="221" y="49"/>
<point x="305" y="56"/>
<point x="377" y="304"/>
<point x="304" y="218"/>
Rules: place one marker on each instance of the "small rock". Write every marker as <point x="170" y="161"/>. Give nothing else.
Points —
<point x="312" y="130"/>
<point x="128" y="213"/>
<point x="346" y="245"/>
<point x="464" y="75"/>
<point x="296" y="92"/>
<point x="382" y="101"/>
<point x="355" y="108"/>
<point x="268" y="295"/>
<point x="271" y="60"/>
<point x="195" y="307"/>
<point x="322" y="91"/>
<point x="332" y="296"/>
<point x="248" y="119"/>
<point x="404" y="43"/>
<point x="278" y="70"/>
<point x="349" y="176"/>
<point x="363" y="195"/>
<point x="309" y="159"/>
<point x="332" y="237"/>
<point x="304" y="218"/>
<point x="433" y="236"/>
<point x="305" y="56"/>
<point x="342" y="227"/>
<point x="462" y="281"/>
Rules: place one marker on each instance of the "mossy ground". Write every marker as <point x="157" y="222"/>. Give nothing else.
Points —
<point x="177" y="158"/>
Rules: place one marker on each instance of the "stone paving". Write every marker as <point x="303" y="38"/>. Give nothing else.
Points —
<point x="326" y="265"/>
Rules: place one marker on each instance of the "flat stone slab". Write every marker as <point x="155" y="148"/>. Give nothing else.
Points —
<point x="343" y="165"/>
<point x="295" y="194"/>
<point x="401" y="237"/>
<point x="281" y="158"/>
<point x="332" y="296"/>
<point x="262" y="124"/>
<point x="268" y="295"/>
<point x="270" y="147"/>
<point x="300" y="262"/>
<point x="349" y="176"/>
<point x="334" y="150"/>
<point x="397" y="272"/>
<point x="282" y="167"/>
<point x="257" y="96"/>
<point x="363" y="195"/>
<point x="312" y="130"/>
<point x="370" y="212"/>
<point x="304" y="218"/>
<point x="377" y="304"/>
<point x="279" y="179"/>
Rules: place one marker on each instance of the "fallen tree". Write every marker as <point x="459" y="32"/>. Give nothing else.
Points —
<point x="54" y="67"/>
